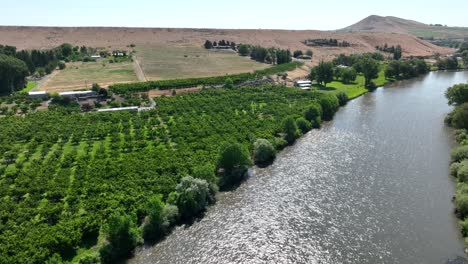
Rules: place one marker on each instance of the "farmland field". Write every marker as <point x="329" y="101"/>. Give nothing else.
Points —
<point x="78" y="74"/>
<point x="175" y="62"/>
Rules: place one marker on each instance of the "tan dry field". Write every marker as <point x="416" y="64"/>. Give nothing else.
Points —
<point x="161" y="62"/>
<point x="152" y="44"/>
<point x="79" y="74"/>
<point x="49" y="37"/>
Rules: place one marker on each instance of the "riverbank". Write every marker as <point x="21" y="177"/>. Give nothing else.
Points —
<point x="366" y="166"/>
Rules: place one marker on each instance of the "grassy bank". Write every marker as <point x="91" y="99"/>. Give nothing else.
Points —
<point x="354" y="89"/>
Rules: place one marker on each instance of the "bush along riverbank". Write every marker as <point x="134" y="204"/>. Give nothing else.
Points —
<point x="457" y="95"/>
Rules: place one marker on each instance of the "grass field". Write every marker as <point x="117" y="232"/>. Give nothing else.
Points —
<point x="176" y="62"/>
<point x="29" y="87"/>
<point x="354" y="89"/>
<point x="76" y="75"/>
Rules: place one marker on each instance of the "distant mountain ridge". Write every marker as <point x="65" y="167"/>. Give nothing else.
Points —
<point x="391" y="24"/>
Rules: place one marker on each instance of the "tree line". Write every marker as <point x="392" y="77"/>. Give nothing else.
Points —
<point x="457" y="95"/>
<point x="194" y="82"/>
<point x="395" y="50"/>
<point x="327" y="42"/>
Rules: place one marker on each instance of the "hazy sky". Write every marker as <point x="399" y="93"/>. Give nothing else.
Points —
<point x="289" y="14"/>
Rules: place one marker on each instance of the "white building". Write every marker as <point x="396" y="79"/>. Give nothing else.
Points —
<point x="304" y="85"/>
<point x="96" y="56"/>
<point x="40" y="94"/>
<point x="129" y="108"/>
<point x="76" y="94"/>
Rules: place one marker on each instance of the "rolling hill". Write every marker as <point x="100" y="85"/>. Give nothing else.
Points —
<point x="392" y="24"/>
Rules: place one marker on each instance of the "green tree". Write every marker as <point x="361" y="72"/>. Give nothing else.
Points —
<point x="460" y="117"/>
<point x="159" y="218"/>
<point x="313" y="114"/>
<point x="264" y="151"/>
<point x="457" y="94"/>
<point x="122" y="236"/>
<point x="244" y="50"/>
<point x="66" y="50"/>
<point x="290" y="129"/>
<point x="397" y="53"/>
<point x="323" y="73"/>
<point x="329" y="104"/>
<point x="370" y="69"/>
<point x="191" y="197"/>
<point x="208" y="44"/>
<point x="232" y="156"/>
<point x="13" y="74"/>
<point x="348" y="75"/>
<point x="229" y="84"/>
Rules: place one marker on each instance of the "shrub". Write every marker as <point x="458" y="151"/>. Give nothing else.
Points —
<point x="264" y="151"/>
<point x="303" y="125"/>
<point x="291" y="130"/>
<point x="232" y="156"/>
<point x="460" y="154"/>
<point x="462" y="171"/>
<point x="190" y="197"/>
<point x="89" y="258"/>
<point x="159" y="219"/>
<point x="122" y="236"/>
<point x="459" y="118"/>
<point x="464" y="227"/>
<point x="229" y="84"/>
<point x="461" y="203"/>
<point x="312" y="112"/>
<point x="279" y="143"/>
<point x="342" y="98"/>
<point x="454" y="169"/>
<point x="457" y="94"/>
<point x="61" y="65"/>
<point x="330" y="104"/>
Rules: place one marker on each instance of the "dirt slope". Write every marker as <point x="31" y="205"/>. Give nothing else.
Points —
<point x="48" y="37"/>
<point x="390" y="24"/>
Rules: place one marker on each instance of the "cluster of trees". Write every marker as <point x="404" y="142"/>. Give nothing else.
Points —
<point x="298" y="53"/>
<point x="327" y="42"/>
<point x="395" y="50"/>
<point x="406" y="69"/>
<point x="265" y="55"/>
<point x="193" y="82"/>
<point x="326" y="72"/>
<point x="222" y="43"/>
<point x="126" y="178"/>
<point x="458" y="95"/>
<point x="450" y="63"/>
<point x="13" y="74"/>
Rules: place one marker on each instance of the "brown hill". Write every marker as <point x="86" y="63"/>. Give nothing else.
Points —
<point x="390" y="24"/>
<point x="48" y="37"/>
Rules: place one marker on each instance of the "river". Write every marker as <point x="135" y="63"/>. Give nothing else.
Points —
<point x="372" y="186"/>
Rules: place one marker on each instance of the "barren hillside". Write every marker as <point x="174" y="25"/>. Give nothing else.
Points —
<point x="390" y="24"/>
<point x="48" y="37"/>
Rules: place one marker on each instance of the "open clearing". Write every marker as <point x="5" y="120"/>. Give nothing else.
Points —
<point x="186" y="61"/>
<point x="79" y="74"/>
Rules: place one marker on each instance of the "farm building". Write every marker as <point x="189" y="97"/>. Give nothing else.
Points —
<point x="40" y="94"/>
<point x="96" y="56"/>
<point x="130" y="108"/>
<point x="304" y="85"/>
<point x="77" y="94"/>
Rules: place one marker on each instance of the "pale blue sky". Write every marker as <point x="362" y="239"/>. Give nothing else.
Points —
<point x="288" y="14"/>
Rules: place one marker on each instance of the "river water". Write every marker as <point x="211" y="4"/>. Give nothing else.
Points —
<point x="372" y="186"/>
